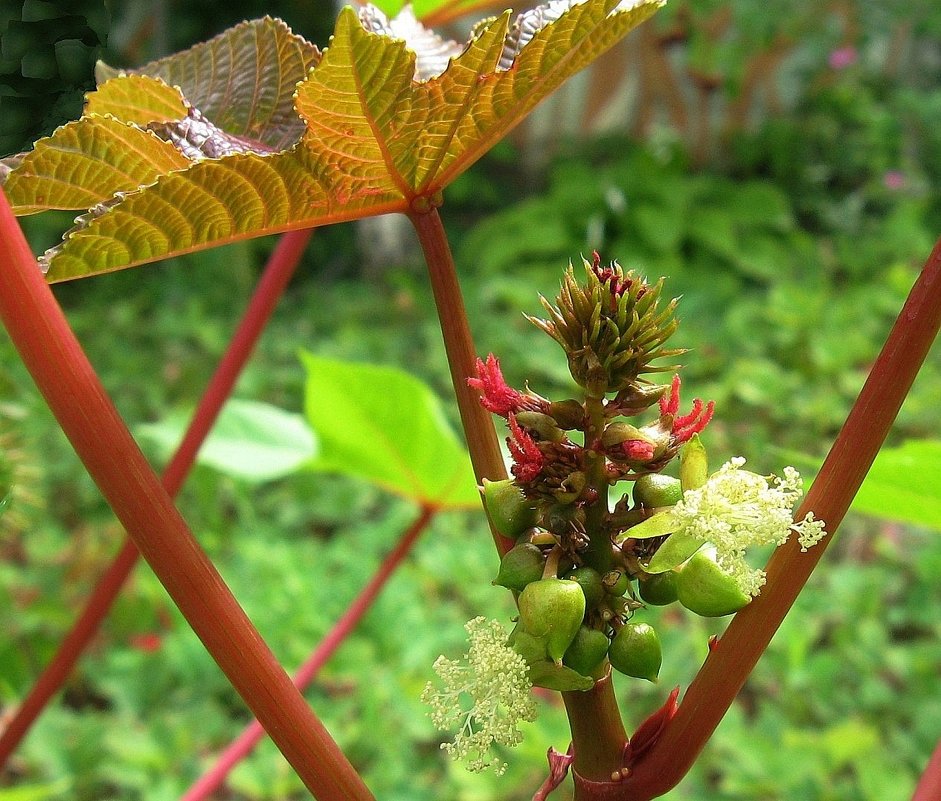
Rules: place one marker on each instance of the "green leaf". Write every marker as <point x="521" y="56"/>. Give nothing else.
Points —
<point x="384" y="426"/>
<point x="675" y="550"/>
<point x="558" y="677"/>
<point x="657" y="525"/>
<point x="85" y="162"/>
<point x="35" y="792"/>
<point x="137" y="98"/>
<point x="250" y="441"/>
<point x="385" y="126"/>
<point x="903" y="484"/>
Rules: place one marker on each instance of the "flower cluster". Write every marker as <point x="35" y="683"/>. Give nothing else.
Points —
<point x="494" y="678"/>
<point x="736" y="508"/>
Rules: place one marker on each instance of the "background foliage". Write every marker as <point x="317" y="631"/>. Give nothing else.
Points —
<point x="793" y="251"/>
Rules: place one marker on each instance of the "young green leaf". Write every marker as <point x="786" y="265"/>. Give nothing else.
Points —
<point x="904" y="483"/>
<point x="386" y="126"/>
<point x="383" y="425"/>
<point x="250" y="441"/>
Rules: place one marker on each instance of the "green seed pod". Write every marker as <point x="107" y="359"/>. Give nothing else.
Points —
<point x="659" y="589"/>
<point x="553" y="610"/>
<point x="616" y="582"/>
<point x="589" y="580"/>
<point x="706" y="589"/>
<point x="520" y="566"/>
<point x="589" y="647"/>
<point x="510" y="511"/>
<point x="655" y="490"/>
<point x="635" y="651"/>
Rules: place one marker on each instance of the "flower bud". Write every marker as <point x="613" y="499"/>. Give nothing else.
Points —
<point x="635" y="651"/>
<point x="540" y="423"/>
<point x="694" y="464"/>
<point x="616" y="433"/>
<point x="637" y="397"/>
<point x="568" y="414"/>
<point x="552" y="609"/>
<point x="510" y="511"/>
<point x="706" y="589"/>
<point x="589" y="647"/>
<point x="571" y="487"/>
<point x="520" y="566"/>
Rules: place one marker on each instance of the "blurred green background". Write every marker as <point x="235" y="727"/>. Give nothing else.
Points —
<point x="792" y="229"/>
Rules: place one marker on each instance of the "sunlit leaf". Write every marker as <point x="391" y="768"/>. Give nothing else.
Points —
<point x="251" y="441"/>
<point x="903" y="484"/>
<point x="85" y="162"/>
<point x="384" y="426"/>
<point x="244" y="79"/>
<point x="212" y="203"/>
<point x="385" y="128"/>
<point x="675" y="550"/>
<point x="137" y="98"/>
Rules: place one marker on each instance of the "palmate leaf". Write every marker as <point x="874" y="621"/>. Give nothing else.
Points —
<point x="85" y="162"/>
<point x="243" y="80"/>
<point x="139" y="99"/>
<point x="232" y="94"/>
<point x="384" y="129"/>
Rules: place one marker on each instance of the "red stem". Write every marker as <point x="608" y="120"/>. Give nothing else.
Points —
<point x="65" y="377"/>
<point x="242" y="746"/>
<point x="727" y="667"/>
<point x="477" y="422"/>
<point x="929" y="786"/>
<point x="277" y="274"/>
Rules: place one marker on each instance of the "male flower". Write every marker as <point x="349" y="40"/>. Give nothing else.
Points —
<point x="736" y="508"/>
<point x="494" y="678"/>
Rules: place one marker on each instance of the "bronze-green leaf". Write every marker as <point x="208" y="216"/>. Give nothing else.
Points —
<point x="85" y="162"/>
<point x="212" y="202"/>
<point x="137" y="98"/>
<point x="385" y="126"/>
<point x="244" y="79"/>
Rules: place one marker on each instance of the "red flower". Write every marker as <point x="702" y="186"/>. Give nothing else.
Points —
<point x="495" y="395"/>
<point x="527" y="457"/>
<point x="685" y="425"/>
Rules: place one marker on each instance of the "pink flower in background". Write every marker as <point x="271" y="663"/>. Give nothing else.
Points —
<point x="843" y="57"/>
<point x="894" y="180"/>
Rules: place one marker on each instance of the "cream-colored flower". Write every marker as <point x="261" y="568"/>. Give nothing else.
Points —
<point x="736" y="508"/>
<point x="494" y="679"/>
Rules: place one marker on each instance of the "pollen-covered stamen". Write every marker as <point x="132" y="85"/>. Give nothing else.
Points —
<point x="528" y="459"/>
<point x="496" y="395"/>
